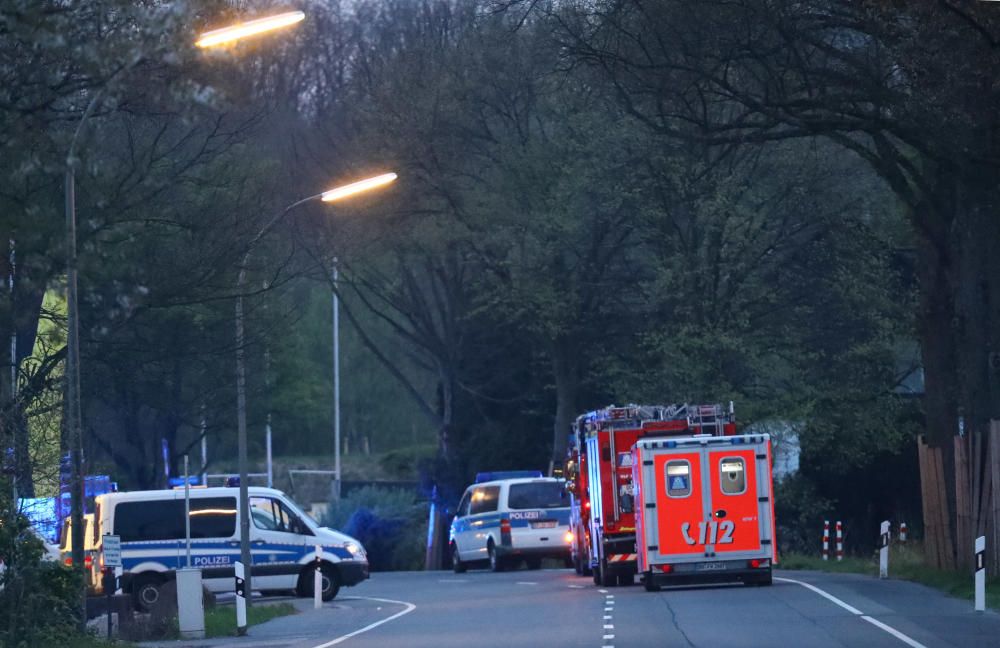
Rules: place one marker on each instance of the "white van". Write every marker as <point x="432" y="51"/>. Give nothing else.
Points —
<point x="507" y="520"/>
<point x="282" y="542"/>
<point x="90" y="555"/>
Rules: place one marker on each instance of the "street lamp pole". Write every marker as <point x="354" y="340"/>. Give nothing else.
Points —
<point x="336" y="382"/>
<point x="241" y="398"/>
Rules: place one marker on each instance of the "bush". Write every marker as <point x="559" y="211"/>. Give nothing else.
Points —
<point x="390" y="524"/>
<point x="39" y="600"/>
<point x="798" y="512"/>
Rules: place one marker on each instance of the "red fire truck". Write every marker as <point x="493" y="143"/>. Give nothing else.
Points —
<point x="599" y="473"/>
<point x="705" y="509"/>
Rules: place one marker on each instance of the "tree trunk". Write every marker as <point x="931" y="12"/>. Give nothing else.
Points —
<point x="566" y="370"/>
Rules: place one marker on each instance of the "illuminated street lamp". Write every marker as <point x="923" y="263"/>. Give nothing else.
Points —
<point x="241" y="397"/>
<point x="73" y="408"/>
<point x="255" y="27"/>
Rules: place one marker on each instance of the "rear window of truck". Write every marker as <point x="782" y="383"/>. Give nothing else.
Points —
<point x="538" y="495"/>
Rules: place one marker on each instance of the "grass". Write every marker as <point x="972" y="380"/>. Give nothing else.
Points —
<point x="905" y="563"/>
<point x="221" y="621"/>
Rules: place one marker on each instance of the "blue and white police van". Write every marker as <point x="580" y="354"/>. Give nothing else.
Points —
<point x="503" y="521"/>
<point x="283" y="542"/>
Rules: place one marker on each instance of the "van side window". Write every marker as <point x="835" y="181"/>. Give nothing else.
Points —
<point x="463" y="506"/>
<point x="213" y="517"/>
<point x="678" y="478"/>
<point x="273" y="515"/>
<point x="484" y="500"/>
<point x="733" y="477"/>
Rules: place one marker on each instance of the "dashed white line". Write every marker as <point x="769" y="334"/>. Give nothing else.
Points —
<point x="608" y="636"/>
<point x="410" y="607"/>
<point x="853" y="610"/>
<point x="576" y="586"/>
<point x="609" y="626"/>
<point x="526" y="583"/>
<point x="604" y="591"/>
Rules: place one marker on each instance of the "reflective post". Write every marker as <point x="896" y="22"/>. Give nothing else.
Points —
<point x="981" y="574"/>
<point x="318" y="582"/>
<point x="883" y="552"/>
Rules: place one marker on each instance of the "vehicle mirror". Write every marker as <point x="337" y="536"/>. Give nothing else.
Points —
<point x="570" y="486"/>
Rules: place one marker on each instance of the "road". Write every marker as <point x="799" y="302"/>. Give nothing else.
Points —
<point x="557" y="608"/>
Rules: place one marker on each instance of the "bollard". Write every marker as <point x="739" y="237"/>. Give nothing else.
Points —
<point x="318" y="582"/>
<point x="902" y="533"/>
<point x="826" y="539"/>
<point x="883" y="552"/>
<point x="840" y="542"/>
<point x="241" y="600"/>
<point x="981" y="574"/>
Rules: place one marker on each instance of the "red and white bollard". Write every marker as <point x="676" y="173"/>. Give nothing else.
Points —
<point x="902" y="532"/>
<point x="840" y="542"/>
<point x="826" y="539"/>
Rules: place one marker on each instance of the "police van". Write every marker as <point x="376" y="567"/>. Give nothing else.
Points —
<point x="504" y="521"/>
<point x="283" y="540"/>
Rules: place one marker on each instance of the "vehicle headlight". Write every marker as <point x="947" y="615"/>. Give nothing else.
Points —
<point x="356" y="550"/>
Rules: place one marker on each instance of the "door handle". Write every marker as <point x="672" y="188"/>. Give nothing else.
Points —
<point x="720" y="514"/>
<point x="257" y="543"/>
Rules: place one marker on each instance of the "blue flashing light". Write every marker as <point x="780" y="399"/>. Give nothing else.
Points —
<point x="736" y="440"/>
<point x="671" y="444"/>
<point x="232" y="481"/>
<point x="192" y="480"/>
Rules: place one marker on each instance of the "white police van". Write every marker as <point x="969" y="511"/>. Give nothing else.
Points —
<point x="283" y="539"/>
<point x="503" y="521"/>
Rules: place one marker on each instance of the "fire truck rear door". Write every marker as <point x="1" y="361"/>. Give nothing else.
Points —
<point x="680" y="498"/>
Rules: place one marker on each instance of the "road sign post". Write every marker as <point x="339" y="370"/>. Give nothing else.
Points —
<point x="981" y="574"/>
<point x="883" y="552"/>
<point x="241" y="600"/>
<point x="318" y="582"/>
<point x="111" y="547"/>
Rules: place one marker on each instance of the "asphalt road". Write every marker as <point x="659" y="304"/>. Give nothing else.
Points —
<point x="554" y="608"/>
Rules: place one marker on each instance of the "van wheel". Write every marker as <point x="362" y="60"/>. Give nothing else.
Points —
<point x="456" y="562"/>
<point x="146" y="592"/>
<point x="496" y="562"/>
<point x="329" y="582"/>
<point x="648" y="583"/>
<point x="596" y="573"/>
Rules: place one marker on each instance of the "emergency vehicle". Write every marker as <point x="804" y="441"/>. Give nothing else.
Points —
<point x="599" y="469"/>
<point x="705" y="509"/>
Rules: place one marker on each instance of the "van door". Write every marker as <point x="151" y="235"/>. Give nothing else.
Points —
<point x="460" y="526"/>
<point x="279" y="540"/>
<point x="483" y="518"/>
<point x="735" y="509"/>
<point x="681" y="490"/>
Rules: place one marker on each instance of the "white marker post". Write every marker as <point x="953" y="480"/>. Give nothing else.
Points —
<point x="318" y="582"/>
<point x="883" y="552"/>
<point x="981" y="574"/>
<point x="241" y="600"/>
<point x="826" y="539"/>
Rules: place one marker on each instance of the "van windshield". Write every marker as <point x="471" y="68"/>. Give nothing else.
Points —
<point x="537" y="495"/>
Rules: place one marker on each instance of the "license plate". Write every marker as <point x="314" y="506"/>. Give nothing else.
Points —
<point x="711" y="566"/>
<point x="544" y="524"/>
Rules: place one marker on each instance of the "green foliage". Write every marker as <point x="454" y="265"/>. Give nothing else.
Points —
<point x="388" y="522"/>
<point x="39" y="598"/>
<point x="799" y="511"/>
<point x="221" y="621"/>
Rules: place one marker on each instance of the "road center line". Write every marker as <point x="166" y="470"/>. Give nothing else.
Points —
<point x="410" y="607"/>
<point x="853" y="610"/>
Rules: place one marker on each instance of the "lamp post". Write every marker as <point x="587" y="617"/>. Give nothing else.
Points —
<point x="337" y="193"/>
<point x="73" y="424"/>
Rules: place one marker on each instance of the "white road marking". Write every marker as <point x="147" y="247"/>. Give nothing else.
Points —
<point x="608" y="636"/>
<point x="410" y="607"/>
<point x="576" y="586"/>
<point x="609" y="609"/>
<point x="603" y="591"/>
<point x="895" y="633"/>
<point x="853" y="610"/>
<point x="526" y="583"/>
<point x="607" y="617"/>
<point x="609" y="626"/>
<point x="453" y="580"/>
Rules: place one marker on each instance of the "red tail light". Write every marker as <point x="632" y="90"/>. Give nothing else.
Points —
<point x="757" y="563"/>
<point x="505" y="526"/>
<point x="68" y="561"/>
<point x="666" y="569"/>
<point x="88" y="561"/>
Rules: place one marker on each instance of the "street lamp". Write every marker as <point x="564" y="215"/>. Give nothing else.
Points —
<point x="73" y="408"/>
<point x="337" y="193"/>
